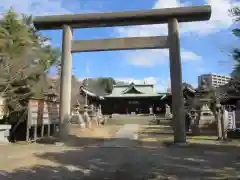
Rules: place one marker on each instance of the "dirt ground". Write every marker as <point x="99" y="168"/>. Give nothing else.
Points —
<point x="99" y="132"/>
<point x="23" y="154"/>
<point x="85" y="159"/>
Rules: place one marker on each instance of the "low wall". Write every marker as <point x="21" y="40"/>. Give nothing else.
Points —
<point x="4" y="133"/>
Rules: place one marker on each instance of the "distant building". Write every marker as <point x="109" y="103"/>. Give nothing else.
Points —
<point x="213" y="80"/>
<point x="137" y="98"/>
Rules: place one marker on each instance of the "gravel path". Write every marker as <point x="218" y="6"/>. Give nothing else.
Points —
<point x="126" y="136"/>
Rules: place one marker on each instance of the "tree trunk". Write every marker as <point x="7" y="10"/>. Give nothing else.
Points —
<point x="223" y="122"/>
<point x="219" y="124"/>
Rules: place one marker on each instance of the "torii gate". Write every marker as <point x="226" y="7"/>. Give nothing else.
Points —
<point x="172" y="16"/>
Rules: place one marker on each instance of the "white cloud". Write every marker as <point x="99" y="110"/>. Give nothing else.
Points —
<point x="148" y="58"/>
<point x="189" y="56"/>
<point x="35" y="7"/>
<point x="220" y="19"/>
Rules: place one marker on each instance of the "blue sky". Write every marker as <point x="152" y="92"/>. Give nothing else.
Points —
<point x="205" y="45"/>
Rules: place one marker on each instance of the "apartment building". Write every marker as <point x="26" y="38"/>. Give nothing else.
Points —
<point x="213" y="80"/>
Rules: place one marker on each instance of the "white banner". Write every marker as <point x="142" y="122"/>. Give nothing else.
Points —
<point x="229" y="120"/>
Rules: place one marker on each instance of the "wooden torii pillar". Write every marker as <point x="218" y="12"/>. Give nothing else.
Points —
<point x="172" y="16"/>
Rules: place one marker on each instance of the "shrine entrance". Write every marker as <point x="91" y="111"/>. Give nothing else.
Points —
<point x="172" y="16"/>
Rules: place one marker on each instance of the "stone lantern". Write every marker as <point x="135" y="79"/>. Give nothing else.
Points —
<point x="202" y="94"/>
<point x="77" y="106"/>
<point x="51" y="94"/>
<point x="203" y="99"/>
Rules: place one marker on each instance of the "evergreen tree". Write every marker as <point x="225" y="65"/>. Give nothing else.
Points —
<point x="236" y="51"/>
<point x="24" y="59"/>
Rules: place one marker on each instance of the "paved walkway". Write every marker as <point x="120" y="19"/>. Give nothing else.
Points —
<point x="125" y="137"/>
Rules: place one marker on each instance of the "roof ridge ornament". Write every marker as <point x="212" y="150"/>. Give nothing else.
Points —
<point x="132" y="84"/>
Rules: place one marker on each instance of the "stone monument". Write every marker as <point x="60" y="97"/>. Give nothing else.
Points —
<point x="168" y="113"/>
<point x="192" y="121"/>
<point x="93" y="114"/>
<point x="86" y="117"/>
<point x="77" y="116"/>
<point x="100" y="109"/>
<point x="150" y="110"/>
<point x="101" y="118"/>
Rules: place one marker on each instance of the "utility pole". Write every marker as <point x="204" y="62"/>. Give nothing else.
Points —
<point x="86" y="96"/>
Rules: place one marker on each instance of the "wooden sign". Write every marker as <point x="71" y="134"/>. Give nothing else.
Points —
<point x="42" y="112"/>
<point x="33" y="108"/>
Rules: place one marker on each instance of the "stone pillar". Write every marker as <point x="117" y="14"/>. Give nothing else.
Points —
<point x="176" y="82"/>
<point x="66" y="80"/>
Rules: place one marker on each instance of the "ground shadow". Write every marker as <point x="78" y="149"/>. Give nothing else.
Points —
<point x="140" y="162"/>
<point x="73" y="141"/>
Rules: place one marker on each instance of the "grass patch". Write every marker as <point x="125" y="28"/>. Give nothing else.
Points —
<point x="156" y="139"/>
<point x="189" y="138"/>
<point x="160" y="133"/>
<point x="202" y="137"/>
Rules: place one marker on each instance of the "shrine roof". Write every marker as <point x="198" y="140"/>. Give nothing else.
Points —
<point x="134" y="90"/>
<point x="90" y="93"/>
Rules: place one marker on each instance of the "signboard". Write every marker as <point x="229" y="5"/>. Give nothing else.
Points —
<point x="231" y="120"/>
<point x="33" y="108"/>
<point x="51" y="113"/>
<point x="42" y="112"/>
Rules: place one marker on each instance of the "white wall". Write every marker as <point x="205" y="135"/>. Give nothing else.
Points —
<point x="1" y="107"/>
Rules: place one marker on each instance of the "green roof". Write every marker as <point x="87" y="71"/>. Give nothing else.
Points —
<point x="134" y="90"/>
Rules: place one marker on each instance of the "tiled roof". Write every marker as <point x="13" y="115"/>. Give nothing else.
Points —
<point x="133" y="90"/>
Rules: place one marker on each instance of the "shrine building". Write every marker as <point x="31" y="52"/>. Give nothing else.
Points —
<point x="128" y="99"/>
